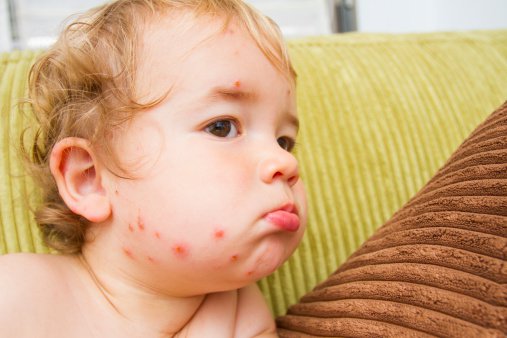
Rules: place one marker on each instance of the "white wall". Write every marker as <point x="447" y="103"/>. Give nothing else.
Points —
<point x="39" y="21"/>
<point x="5" y="31"/>
<point x="399" y="16"/>
<point x="297" y="17"/>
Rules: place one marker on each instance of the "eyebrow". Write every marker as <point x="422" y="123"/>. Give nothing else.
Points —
<point x="231" y="94"/>
<point x="237" y="94"/>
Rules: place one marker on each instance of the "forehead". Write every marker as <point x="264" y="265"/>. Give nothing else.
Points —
<point x="182" y="51"/>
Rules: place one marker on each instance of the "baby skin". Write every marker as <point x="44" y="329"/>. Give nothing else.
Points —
<point x="215" y="202"/>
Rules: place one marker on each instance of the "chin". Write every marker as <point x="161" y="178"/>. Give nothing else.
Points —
<point x="270" y="257"/>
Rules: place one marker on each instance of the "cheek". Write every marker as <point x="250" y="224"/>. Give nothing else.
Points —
<point x="147" y="243"/>
<point x="146" y="251"/>
<point x="172" y="231"/>
<point x="217" y="162"/>
<point x="139" y="145"/>
<point x="154" y="244"/>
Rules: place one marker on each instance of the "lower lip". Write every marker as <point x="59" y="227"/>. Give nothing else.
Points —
<point x="284" y="220"/>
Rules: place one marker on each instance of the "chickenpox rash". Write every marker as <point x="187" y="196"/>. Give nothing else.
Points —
<point x="180" y="250"/>
<point x="151" y="259"/>
<point x="219" y="234"/>
<point x="237" y="84"/>
<point x="128" y="252"/>
<point x="234" y="258"/>
<point x="140" y="223"/>
<point x="156" y="234"/>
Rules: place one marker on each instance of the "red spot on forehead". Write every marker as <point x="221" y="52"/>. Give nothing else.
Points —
<point x="237" y="84"/>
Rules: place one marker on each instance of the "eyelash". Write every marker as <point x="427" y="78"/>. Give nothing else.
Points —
<point x="291" y="143"/>
<point x="231" y="122"/>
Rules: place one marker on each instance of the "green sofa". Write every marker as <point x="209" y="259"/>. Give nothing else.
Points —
<point x="379" y="113"/>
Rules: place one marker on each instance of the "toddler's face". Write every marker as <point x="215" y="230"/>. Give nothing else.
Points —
<point x="218" y="202"/>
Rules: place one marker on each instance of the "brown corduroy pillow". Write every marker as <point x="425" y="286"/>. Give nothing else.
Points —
<point x="436" y="268"/>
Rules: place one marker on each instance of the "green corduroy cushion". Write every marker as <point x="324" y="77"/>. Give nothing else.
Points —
<point x="18" y="232"/>
<point x="379" y="113"/>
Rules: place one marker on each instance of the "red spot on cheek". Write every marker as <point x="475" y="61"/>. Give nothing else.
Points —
<point x="237" y="84"/>
<point x="249" y="273"/>
<point x="131" y="228"/>
<point x="234" y="258"/>
<point x="151" y="259"/>
<point x="157" y="235"/>
<point x="128" y="252"/>
<point x="140" y="223"/>
<point x="219" y="234"/>
<point x="180" y="250"/>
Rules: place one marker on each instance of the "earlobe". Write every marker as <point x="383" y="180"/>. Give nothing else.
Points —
<point x="76" y="170"/>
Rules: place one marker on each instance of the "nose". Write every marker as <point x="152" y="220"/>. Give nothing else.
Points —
<point x="279" y="165"/>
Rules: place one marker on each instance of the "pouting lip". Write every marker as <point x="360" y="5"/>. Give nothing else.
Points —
<point x="285" y="217"/>
<point x="289" y="207"/>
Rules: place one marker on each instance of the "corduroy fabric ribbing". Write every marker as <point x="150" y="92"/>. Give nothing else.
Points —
<point x="18" y="231"/>
<point x="437" y="267"/>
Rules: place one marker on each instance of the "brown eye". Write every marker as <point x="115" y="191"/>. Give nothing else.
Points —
<point x="222" y="128"/>
<point x="286" y="143"/>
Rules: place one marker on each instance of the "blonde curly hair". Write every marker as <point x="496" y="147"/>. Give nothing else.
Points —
<point x="84" y="86"/>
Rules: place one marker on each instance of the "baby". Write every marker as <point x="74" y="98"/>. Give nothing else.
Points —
<point x="164" y="153"/>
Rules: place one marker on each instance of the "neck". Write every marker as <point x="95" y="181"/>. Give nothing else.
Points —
<point x="136" y="303"/>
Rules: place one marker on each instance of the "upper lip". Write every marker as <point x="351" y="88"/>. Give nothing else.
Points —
<point x="289" y="207"/>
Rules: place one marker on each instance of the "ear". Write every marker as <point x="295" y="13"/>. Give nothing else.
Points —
<point x="76" y="170"/>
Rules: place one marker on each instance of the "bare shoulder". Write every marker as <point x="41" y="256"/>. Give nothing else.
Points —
<point x="23" y="276"/>
<point x="27" y="269"/>
<point x="254" y="319"/>
<point x="27" y="283"/>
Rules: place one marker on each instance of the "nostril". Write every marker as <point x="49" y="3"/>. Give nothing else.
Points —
<point x="293" y="179"/>
<point x="279" y="165"/>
